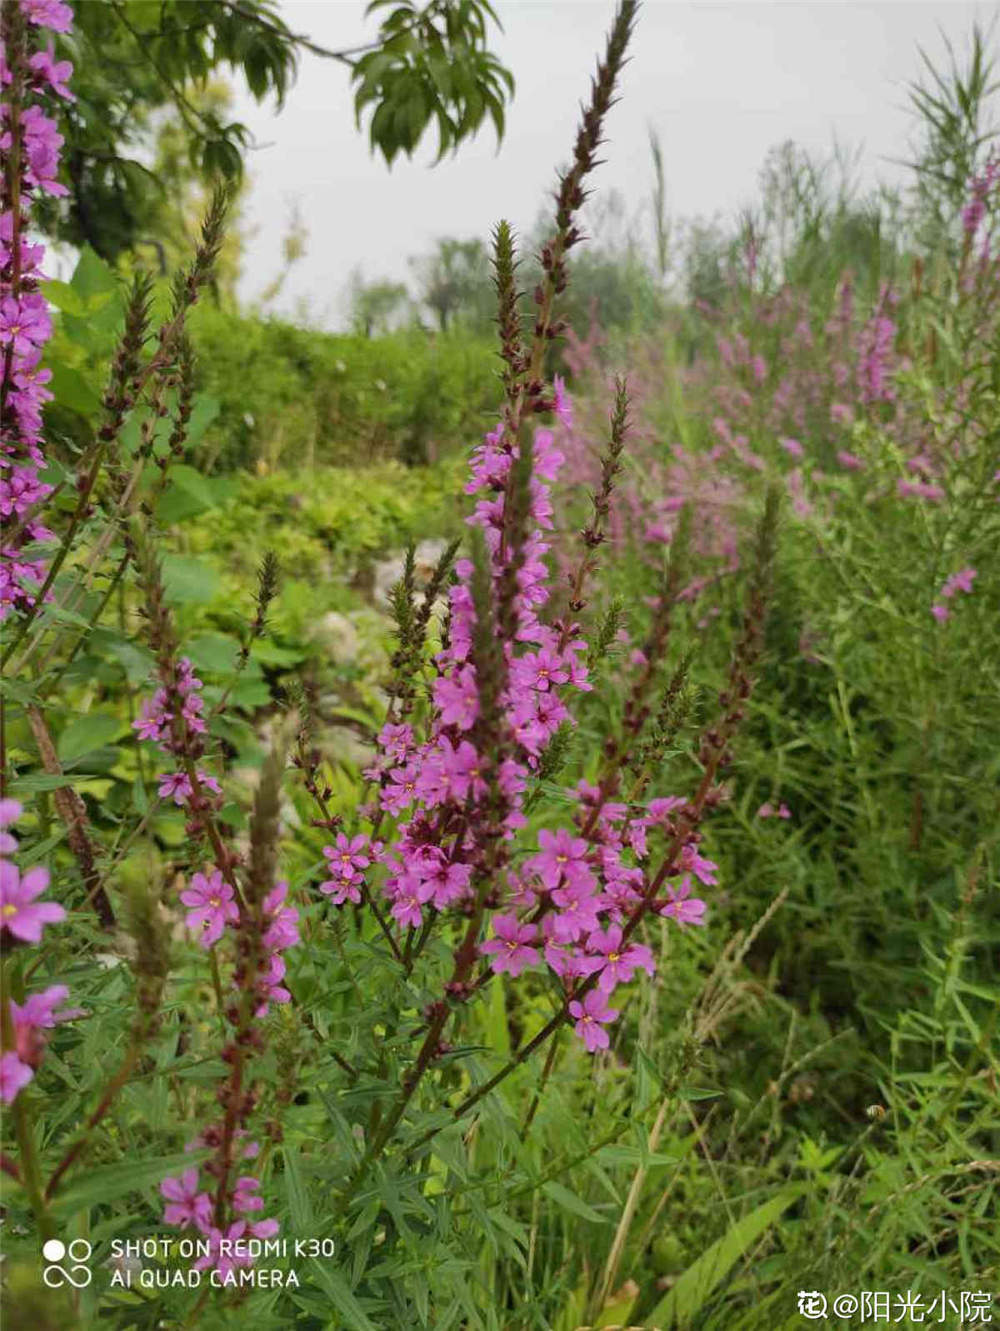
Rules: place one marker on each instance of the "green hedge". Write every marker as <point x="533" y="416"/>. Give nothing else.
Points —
<point x="293" y="397"/>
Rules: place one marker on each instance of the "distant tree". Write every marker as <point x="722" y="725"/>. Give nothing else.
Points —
<point x="375" y="307"/>
<point x="705" y="263"/>
<point x="136" y="60"/>
<point x="455" y="284"/>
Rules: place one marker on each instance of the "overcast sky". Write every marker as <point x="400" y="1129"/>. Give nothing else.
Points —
<point x="720" y="82"/>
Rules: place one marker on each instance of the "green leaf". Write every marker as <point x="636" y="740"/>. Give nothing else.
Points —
<point x="72" y="390"/>
<point x="497" y="1030"/>
<point x="342" y="1297"/>
<point x="64" y="297"/>
<point x="203" y="414"/>
<point x="689" y="1294"/>
<point x="212" y="652"/>
<point x="86" y="733"/>
<point x="115" y="1181"/>
<point x="269" y="653"/>
<point x="570" y="1202"/>
<point x="37" y="781"/>
<point x="298" y="1197"/>
<point x="189" y="492"/>
<point x="92" y="276"/>
<point x="137" y="661"/>
<point x="189" y="581"/>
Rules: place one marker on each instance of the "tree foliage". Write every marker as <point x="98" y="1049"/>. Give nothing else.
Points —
<point x="138" y="60"/>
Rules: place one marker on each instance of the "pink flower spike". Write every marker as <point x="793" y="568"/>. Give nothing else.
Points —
<point x="850" y="461"/>
<point x="919" y="490"/>
<point x="940" y="613"/>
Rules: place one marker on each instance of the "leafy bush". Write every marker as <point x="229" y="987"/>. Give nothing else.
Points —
<point x="295" y="397"/>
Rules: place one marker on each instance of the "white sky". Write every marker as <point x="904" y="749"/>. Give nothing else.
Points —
<point x="720" y="82"/>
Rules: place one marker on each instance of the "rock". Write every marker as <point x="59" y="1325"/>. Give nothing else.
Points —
<point x="389" y="571"/>
<point x="338" y="637"/>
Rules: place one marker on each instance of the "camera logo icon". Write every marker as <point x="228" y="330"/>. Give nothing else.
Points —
<point x="56" y="1274"/>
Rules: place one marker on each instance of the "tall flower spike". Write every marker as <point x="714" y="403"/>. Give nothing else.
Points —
<point x="30" y="144"/>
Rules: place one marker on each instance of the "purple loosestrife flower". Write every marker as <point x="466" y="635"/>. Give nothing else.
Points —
<point x="185" y="1204"/>
<point x="850" y="461"/>
<point x="24" y="324"/>
<point x="282" y="921"/>
<point x="347" y="859"/>
<point x="211" y="907"/>
<point x="875" y="346"/>
<point x="768" y="810"/>
<point x="618" y="964"/>
<point x="510" y="947"/>
<point x="10" y="811"/>
<point x="269" y="984"/>
<point x="20" y="913"/>
<point x="48" y="14"/>
<point x="47" y="69"/>
<point x="591" y="1016"/>
<point x="227" y="1251"/>
<point x="177" y="786"/>
<point x="14" y="1076"/>
<point x="958" y="582"/>
<point x="245" y="1196"/>
<point x="682" y="907"/>
<point x="348" y="855"/>
<point x="458" y="698"/>
<point x="562" y="858"/>
<point x="919" y="490"/>
<point x="36" y="1015"/>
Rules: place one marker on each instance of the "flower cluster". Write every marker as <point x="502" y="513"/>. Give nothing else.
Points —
<point x="212" y="909"/>
<point x="767" y="810"/>
<point x="982" y="191"/>
<point x="461" y="790"/>
<point x="875" y="352"/>
<point x="30" y="144"/>
<point x="189" y="1206"/>
<point x="23" y="917"/>
<point x="158" y="721"/>
<point x="958" y="582"/>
